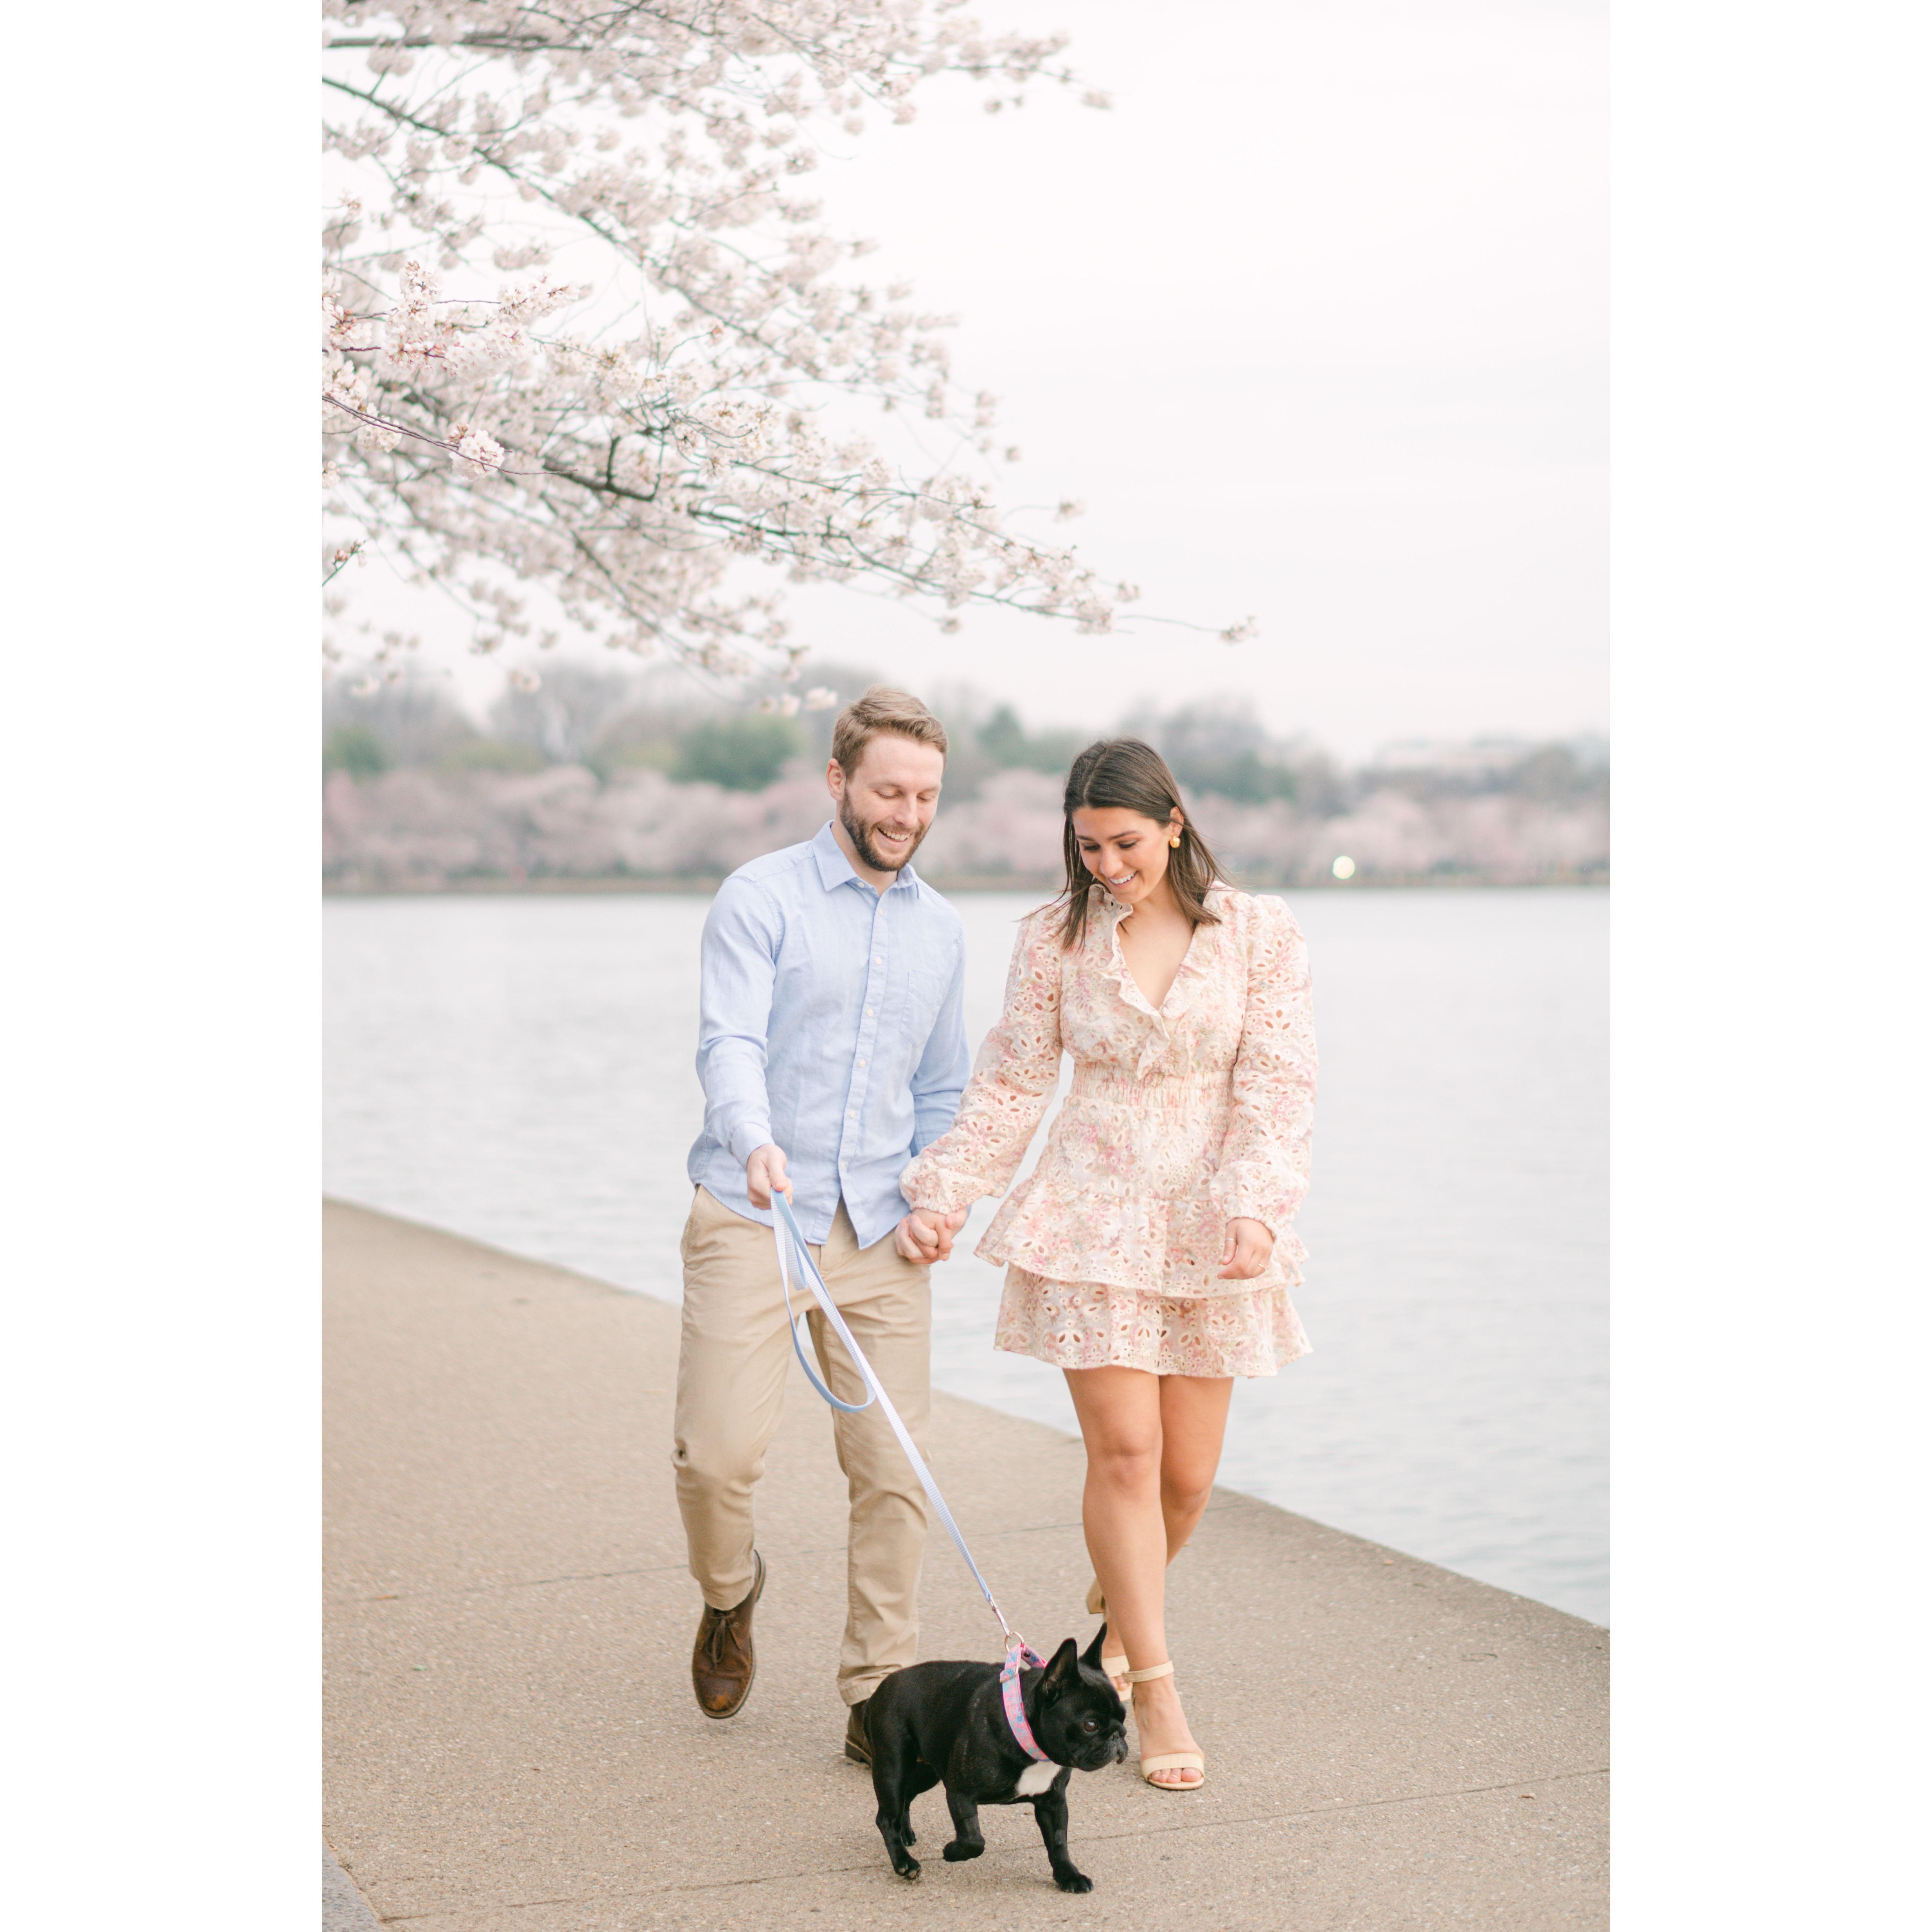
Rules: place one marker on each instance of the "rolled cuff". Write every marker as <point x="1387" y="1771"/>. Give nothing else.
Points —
<point x="748" y="1135"/>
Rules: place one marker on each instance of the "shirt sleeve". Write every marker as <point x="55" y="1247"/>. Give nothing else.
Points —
<point x="941" y="1073"/>
<point x="1264" y="1153"/>
<point x="1012" y="1085"/>
<point x="738" y="957"/>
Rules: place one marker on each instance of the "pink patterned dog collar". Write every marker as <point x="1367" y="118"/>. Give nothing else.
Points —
<point x="1019" y="1654"/>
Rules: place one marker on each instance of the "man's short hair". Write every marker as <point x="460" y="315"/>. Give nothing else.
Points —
<point x="882" y="708"/>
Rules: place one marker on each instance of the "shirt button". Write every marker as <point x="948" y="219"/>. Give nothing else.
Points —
<point x="853" y="1114"/>
<point x="877" y="959"/>
<point x="862" y="1062"/>
<point x="869" y="1012"/>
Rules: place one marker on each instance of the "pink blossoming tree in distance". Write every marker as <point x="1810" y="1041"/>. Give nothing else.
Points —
<point x="600" y="449"/>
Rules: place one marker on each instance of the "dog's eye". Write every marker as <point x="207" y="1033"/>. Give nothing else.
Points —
<point x="1090" y="1724"/>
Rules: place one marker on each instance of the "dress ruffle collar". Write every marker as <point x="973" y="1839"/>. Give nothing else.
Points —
<point x="1194" y="965"/>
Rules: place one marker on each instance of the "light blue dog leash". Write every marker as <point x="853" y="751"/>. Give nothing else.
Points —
<point x="787" y="1234"/>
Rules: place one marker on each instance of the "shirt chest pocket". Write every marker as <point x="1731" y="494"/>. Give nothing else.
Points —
<point x="926" y="982"/>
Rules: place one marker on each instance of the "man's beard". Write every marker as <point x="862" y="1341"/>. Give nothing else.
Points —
<point x="861" y="836"/>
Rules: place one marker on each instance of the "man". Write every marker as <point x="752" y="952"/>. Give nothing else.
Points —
<point x="832" y="1048"/>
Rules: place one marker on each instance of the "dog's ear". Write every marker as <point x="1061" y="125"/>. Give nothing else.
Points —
<point x="1062" y="1672"/>
<point x="1091" y="1654"/>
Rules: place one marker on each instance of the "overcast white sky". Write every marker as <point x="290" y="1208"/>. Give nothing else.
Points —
<point x="1315" y="322"/>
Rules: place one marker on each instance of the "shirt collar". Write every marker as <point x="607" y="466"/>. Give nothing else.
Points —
<point x="834" y="869"/>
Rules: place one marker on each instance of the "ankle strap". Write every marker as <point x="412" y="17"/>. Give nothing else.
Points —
<point x="1153" y="1670"/>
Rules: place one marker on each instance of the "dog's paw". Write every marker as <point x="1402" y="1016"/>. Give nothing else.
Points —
<point x="957" y="1851"/>
<point x="907" y="1868"/>
<point x="907" y="1832"/>
<point x="1070" y="1880"/>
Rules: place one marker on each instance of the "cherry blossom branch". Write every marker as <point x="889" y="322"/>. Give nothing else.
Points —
<point x="719" y="430"/>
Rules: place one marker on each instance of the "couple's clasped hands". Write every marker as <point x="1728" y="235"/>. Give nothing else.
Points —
<point x="922" y="1236"/>
<point x="925" y="1235"/>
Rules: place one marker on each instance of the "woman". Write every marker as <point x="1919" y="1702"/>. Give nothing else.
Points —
<point x="1149" y="1255"/>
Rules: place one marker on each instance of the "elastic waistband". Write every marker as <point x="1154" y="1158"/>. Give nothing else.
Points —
<point x="1150" y="1089"/>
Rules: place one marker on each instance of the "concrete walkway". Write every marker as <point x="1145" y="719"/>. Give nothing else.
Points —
<point x="512" y="1744"/>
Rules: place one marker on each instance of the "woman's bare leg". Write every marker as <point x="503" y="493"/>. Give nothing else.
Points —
<point x="1120" y="1422"/>
<point x="1193" y="1424"/>
<point x="1144" y="1494"/>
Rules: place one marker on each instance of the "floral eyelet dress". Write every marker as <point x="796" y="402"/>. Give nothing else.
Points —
<point x="1179" y="1120"/>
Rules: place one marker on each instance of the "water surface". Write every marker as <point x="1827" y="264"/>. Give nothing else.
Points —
<point x="520" y="1069"/>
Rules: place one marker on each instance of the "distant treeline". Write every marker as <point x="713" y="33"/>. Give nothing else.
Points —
<point x="596" y="775"/>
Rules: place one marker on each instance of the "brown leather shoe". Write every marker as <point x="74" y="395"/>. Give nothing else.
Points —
<point x="722" y="1661"/>
<point x="858" y="1745"/>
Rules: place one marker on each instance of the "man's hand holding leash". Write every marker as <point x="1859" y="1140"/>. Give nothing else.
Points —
<point x="923" y="1236"/>
<point x="765" y="1174"/>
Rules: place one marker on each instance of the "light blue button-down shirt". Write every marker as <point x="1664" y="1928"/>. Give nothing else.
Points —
<point x="830" y="1021"/>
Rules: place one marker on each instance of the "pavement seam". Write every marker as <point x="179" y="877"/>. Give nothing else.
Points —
<point x="668" y="1569"/>
<point x="648" y="1569"/>
<point x="1087" y="1837"/>
<point x="1357" y="1805"/>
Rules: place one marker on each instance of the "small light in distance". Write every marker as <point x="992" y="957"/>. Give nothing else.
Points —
<point x="1344" y="867"/>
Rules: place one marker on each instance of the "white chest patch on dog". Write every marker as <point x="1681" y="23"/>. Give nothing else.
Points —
<point x="1036" y="1778"/>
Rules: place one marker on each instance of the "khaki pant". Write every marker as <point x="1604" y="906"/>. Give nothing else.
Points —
<point x="732" y="1358"/>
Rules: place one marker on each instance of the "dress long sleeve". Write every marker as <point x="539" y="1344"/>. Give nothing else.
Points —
<point x="1012" y="1084"/>
<point x="1264" y="1168"/>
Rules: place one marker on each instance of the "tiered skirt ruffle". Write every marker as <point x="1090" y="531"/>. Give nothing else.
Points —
<point x="1085" y="1324"/>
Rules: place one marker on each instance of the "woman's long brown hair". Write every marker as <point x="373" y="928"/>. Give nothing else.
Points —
<point x="1125" y="774"/>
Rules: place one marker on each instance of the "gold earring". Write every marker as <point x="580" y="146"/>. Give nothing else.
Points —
<point x="1175" y="841"/>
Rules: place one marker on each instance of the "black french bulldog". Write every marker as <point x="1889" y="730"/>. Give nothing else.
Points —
<point x="944" y="1723"/>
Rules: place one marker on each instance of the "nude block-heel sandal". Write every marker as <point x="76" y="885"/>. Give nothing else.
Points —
<point x="1168" y="1760"/>
<point x="1114" y="1663"/>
